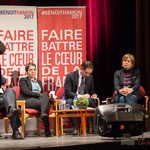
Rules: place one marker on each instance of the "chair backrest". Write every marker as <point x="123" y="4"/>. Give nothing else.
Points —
<point x="17" y="90"/>
<point x="142" y="91"/>
<point x="60" y="92"/>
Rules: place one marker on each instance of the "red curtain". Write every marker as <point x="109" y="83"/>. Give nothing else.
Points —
<point x="98" y="15"/>
<point x="111" y="33"/>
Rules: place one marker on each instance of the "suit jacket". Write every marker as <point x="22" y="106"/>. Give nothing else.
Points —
<point x="2" y="50"/>
<point x="71" y="84"/>
<point x="135" y="81"/>
<point x="26" y="89"/>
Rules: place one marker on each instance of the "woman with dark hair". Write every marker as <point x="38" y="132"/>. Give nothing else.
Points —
<point x="127" y="82"/>
<point x="32" y="91"/>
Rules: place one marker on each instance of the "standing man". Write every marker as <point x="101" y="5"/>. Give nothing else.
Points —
<point x="80" y="84"/>
<point x="8" y="103"/>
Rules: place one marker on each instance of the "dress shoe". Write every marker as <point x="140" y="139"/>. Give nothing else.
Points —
<point x="14" y="112"/>
<point x="17" y="136"/>
<point x="75" y="131"/>
<point x="48" y="133"/>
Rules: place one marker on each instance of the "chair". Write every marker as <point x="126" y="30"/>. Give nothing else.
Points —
<point x="29" y="113"/>
<point x="146" y="105"/>
<point x="59" y="94"/>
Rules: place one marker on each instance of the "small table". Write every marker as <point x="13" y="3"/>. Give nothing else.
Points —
<point x="80" y="113"/>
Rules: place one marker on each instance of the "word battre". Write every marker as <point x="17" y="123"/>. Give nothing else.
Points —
<point x="62" y="45"/>
<point x="62" y="58"/>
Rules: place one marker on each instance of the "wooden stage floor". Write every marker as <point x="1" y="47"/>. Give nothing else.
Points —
<point x="74" y="142"/>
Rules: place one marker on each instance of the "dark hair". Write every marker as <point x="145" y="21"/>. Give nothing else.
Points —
<point x="87" y="64"/>
<point x="28" y="65"/>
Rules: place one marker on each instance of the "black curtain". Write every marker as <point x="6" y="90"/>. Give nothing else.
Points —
<point x="143" y="42"/>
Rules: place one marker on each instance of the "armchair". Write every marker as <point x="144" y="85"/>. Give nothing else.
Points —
<point x="29" y="113"/>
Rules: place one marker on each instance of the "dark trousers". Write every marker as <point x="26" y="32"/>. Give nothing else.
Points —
<point x="7" y="100"/>
<point x="42" y="104"/>
<point x="72" y="119"/>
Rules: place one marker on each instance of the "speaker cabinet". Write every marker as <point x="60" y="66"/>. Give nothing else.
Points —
<point x="115" y="120"/>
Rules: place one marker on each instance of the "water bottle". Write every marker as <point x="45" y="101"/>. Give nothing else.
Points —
<point x="74" y="102"/>
<point x="63" y="102"/>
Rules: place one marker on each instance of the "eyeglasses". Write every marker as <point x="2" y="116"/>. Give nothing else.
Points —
<point x="88" y="73"/>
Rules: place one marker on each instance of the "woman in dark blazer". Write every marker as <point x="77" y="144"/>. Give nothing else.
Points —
<point x="127" y="82"/>
<point x="32" y="91"/>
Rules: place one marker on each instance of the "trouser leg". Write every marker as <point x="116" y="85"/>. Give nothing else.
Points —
<point x="9" y="100"/>
<point x="42" y="104"/>
<point x="9" y="97"/>
<point x="15" y="123"/>
<point x="93" y="105"/>
<point x="45" y="103"/>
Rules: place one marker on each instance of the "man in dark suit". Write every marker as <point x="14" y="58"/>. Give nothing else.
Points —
<point x="8" y="103"/>
<point x="73" y="88"/>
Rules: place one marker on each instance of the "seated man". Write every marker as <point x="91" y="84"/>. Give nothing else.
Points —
<point x="80" y="83"/>
<point x="8" y="103"/>
<point x="8" y="106"/>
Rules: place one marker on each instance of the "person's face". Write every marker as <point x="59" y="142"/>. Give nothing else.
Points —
<point x="127" y="64"/>
<point x="86" y="72"/>
<point x="31" y="72"/>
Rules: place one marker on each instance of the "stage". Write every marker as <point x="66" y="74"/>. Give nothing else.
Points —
<point x="74" y="142"/>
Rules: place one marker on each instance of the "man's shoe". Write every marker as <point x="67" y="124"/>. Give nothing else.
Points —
<point x="75" y="131"/>
<point x="14" y="112"/>
<point x="17" y="136"/>
<point x="48" y="133"/>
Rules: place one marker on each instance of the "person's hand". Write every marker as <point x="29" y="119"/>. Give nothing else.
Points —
<point x="125" y="91"/>
<point x="129" y="90"/>
<point x="94" y="96"/>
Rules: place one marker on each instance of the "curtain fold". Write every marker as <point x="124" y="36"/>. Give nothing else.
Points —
<point x="143" y="41"/>
<point x="111" y="33"/>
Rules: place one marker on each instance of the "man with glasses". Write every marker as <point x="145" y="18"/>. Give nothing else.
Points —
<point x="80" y="84"/>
